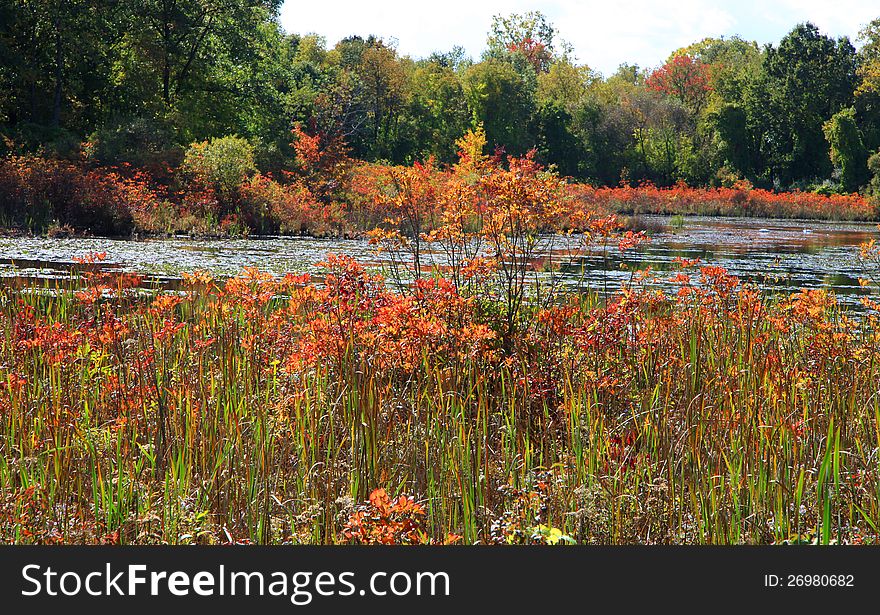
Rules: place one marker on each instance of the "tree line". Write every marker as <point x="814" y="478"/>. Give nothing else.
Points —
<point x="136" y="81"/>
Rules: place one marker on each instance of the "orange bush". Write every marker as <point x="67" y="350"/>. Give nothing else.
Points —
<point x="36" y="192"/>
<point x="354" y="316"/>
<point x="386" y="521"/>
<point x="740" y="200"/>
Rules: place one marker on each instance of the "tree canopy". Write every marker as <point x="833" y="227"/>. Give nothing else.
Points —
<point x="137" y="79"/>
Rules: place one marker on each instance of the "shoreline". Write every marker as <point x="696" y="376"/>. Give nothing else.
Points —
<point x="14" y="233"/>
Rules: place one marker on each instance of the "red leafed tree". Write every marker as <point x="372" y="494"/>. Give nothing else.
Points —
<point x="536" y="52"/>
<point x="684" y="78"/>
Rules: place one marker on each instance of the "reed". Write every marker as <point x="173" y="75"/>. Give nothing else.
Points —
<point x="269" y="410"/>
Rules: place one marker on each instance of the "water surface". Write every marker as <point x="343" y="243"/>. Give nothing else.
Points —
<point x="771" y="253"/>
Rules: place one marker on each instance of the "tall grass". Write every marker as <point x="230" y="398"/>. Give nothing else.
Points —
<point x="268" y="411"/>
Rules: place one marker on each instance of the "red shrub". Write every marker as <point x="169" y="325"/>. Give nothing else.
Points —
<point x="740" y="200"/>
<point x="35" y="192"/>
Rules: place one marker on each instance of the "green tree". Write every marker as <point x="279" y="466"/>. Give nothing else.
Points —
<point x="529" y="35"/>
<point x="869" y="56"/>
<point x="178" y="40"/>
<point x="728" y="125"/>
<point x="867" y="98"/>
<point x="55" y="59"/>
<point x="565" y="123"/>
<point x="724" y="140"/>
<point x="874" y="169"/>
<point x="566" y="85"/>
<point x="221" y="165"/>
<point x="613" y="121"/>
<point x="438" y="114"/>
<point x="503" y="102"/>
<point x="733" y="63"/>
<point x="210" y="66"/>
<point x="385" y="90"/>
<point x="557" y="144"/>
<point x="848" y="153"/>
<point x="808" y="78"/>
<point x="371" y="94"/>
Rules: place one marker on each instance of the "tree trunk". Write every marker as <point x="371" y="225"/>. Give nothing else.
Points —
<point x="166" y="83"/>
<point x="59" y="75"/>
<point x="166" y="58"/>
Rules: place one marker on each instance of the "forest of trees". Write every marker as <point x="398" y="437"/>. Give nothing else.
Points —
<point x="137" y="81"/>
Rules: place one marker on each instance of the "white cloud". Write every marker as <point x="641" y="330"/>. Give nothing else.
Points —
<point x="835" y="18"/>
<point x="604" y="33"/>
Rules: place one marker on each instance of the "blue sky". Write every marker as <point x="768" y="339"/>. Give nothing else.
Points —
<point x="604" y="33"/>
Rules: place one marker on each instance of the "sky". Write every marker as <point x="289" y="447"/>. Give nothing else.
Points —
<point x="604" y="33"/>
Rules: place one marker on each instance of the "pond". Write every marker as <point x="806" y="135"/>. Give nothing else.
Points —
<point x="771" y="253"/>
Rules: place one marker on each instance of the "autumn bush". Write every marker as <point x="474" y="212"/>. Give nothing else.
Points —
<point x="384" y="520"/>
<point x="741" y="199"/>
<point x="36" y="193"/>
<point x="268" y="206"/>
<point x="30" y="188"/>
<point x="222" y="166"/>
